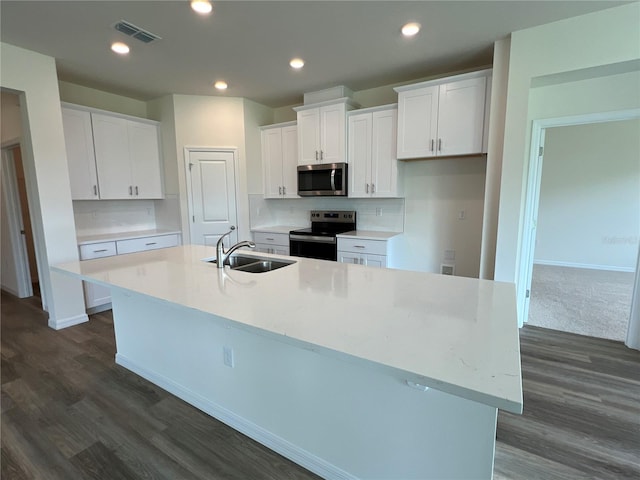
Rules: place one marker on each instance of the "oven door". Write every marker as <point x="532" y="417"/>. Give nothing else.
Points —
<point x="309" y="246"/>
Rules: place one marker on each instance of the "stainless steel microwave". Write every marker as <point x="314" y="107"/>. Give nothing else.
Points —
<point x="322" y="179"/>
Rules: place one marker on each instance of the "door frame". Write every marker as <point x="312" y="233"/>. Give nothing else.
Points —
<point x="16" y="226"/>
<point x="532" y="198"/>
<point x="187" y="150"/>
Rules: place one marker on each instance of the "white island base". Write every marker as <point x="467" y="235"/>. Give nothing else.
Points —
<point x="338" y="417"/>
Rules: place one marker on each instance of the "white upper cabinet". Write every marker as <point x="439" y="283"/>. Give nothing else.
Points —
<point x="373" y="166"/>
<point x="80" y="155"/>
<point x="279" y="160"/>
<point x="322" y="132"/>
<point x="444" y="117"/>
<point x="111" y="156"/>
<point x="127" y="158"/>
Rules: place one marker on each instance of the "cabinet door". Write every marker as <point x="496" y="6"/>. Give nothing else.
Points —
<point x="81" y="159"/>
<point x="272" y="162"/>
<point x="146" y="167"/>
<point x="417" y="122"/>
<point x="384" y="163"/>
<point x="333" y="134"/>
<point x="378" y="261"/>
<point x="349" y="257"/>
<point x="309" y="136"/>
<point x="461" y="117"/>
<point x="290" y="162"/>
<point x="111" y="142"/>
<point x="360" y="154"/>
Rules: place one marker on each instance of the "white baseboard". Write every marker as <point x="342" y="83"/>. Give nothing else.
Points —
<point x="268" y="439"/>
<point x="590" y="266"/>
<point x="67" y="322"/>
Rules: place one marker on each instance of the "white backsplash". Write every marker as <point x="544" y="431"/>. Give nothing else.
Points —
<point x="113" y="216"/>
<point x="381" y="214"/>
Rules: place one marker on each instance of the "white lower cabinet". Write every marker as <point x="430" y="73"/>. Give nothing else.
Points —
<point x="97" y="295"/>
<point x="373" y="252"/>
<point x="94" y="294"/>
<point x="277" y="243"/>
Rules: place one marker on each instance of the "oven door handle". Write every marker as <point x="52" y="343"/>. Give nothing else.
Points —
<point x="312" y="238"/>
<point x="333" y="179"/>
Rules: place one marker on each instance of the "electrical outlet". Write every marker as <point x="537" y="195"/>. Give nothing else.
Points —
<point x="227" y="356"/>
<point x="447" y="269"/>
<point x="461" y="215"/>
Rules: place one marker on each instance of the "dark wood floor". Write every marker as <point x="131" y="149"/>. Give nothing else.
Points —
<point x="68" y="412"/>
<point x="581" y="415"/>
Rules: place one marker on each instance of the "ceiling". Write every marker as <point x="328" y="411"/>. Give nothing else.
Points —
<point x="249" y="43"/>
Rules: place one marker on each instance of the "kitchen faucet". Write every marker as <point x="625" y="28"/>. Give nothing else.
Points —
<point x="221" y="255"/>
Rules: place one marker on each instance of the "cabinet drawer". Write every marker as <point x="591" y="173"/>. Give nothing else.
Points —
<point x="97" y="250"/>
<point x="376" y="247"/>
<point x="271" y="238"/>
<point x="146" y="243"/>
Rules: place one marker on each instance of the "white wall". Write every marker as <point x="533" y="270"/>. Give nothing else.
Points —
<point x="91" y="97"/>
<point x="202" y="121"/>
<point x="45" y="164"/>
<point x="589" y="211"/>
<point x="587" y="42"/>
<point x="255" y="115"/>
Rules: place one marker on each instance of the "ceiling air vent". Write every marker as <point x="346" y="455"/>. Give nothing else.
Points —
<point x="136" y="32"/>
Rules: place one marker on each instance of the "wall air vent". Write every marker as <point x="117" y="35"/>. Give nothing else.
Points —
<point x="136" y="32"/>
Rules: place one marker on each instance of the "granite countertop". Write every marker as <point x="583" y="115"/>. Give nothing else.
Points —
<point x="455" y="334"/>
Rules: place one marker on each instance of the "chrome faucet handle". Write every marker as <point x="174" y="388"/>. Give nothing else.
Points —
<point x="220" y="240"/>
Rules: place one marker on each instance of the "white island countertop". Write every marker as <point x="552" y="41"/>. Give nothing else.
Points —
<point x="458" y="335"/>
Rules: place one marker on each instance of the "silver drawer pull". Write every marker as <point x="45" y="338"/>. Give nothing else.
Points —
<point x="270" y="239"/>
<point x="100" y="251"/>
<point x="359" y="246"/>
<point x="151" y="243"/>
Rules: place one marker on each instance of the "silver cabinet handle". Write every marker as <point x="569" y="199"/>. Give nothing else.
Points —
<point x="366" y="188"/>
<point x="100" y="251"/>
<point x="362" y="261"/>
<point x="270" y="239"/>
<point x="279" y="190"/>
<point x="130" y="190"/>
<point x="432" y="144"/>
<point x="95" y="190"/>
<point x="373" y="188"/>
<point x="356" y="260"/>
<point x="321" y="154"/>
<point x="151" y="243"/>
<point x="316" y="155"/>
<point x="136" y="190"/>
<point x="284" y="190"/>
<point x="359" y="246"/>
<point x="439" y="144"/>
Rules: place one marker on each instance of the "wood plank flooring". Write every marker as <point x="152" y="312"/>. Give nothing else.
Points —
<point x="68" y="412"/>
<point x="581" y="415"/>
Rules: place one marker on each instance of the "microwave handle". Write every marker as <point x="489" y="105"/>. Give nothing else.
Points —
<point x="333" y="179"/>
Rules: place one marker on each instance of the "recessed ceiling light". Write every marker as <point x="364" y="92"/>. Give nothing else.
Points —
<point x="201" y="6"/>
<point x="119" y="47"/>
<point x="410" y="29"/>
<point x="220" y="85"/>
<point x="296" y="63"/>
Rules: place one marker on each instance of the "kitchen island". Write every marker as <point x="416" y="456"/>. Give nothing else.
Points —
<point x="350" y="371"/>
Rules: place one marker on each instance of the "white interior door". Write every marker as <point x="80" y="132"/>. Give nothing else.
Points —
<point x="212" y="179"/>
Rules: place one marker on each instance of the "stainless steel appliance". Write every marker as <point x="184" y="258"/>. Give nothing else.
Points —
<point x="319" y="241"/>
<point x="322" y="179"/>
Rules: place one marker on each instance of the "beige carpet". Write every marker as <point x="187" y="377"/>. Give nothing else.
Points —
<point x="596" y="303"/>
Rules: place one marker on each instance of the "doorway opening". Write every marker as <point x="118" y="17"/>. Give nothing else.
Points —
<point x="582" y="225"/>
<point x="20" y="234"/>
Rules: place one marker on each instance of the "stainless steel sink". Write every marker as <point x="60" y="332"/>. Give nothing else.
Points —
<point x="246" y="263"/>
